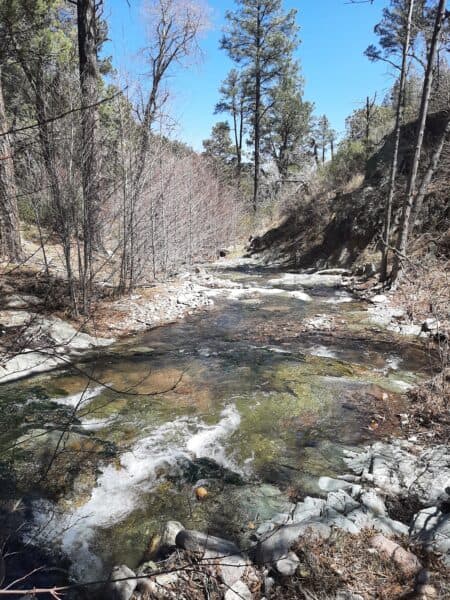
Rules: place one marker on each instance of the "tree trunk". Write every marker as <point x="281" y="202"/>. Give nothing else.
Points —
<point x="434" y="163"/>
<point x="257" y="116"/>
<point x="89" y="75"/>
<point x="10" y="244"/>
<point x="257" y="135"/>
<point x="402" y="243"/>
<point x="394" y="163"/>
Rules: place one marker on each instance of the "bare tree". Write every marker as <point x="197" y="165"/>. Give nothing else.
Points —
<point x="410" y="197"/>
<point x="87" y="20"/>
<point x="173" y="30"/>
<point x="10" y="244"/>
<point x="398" y="123"/>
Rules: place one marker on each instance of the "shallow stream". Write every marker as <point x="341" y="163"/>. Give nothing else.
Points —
<point x="235" y="398"/>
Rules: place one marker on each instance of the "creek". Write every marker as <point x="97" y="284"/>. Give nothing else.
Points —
<point x="237" y="398"/>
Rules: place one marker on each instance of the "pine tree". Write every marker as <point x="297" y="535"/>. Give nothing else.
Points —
<point x="260" y="37"/>
<point x="233" y="100"/>
<point x="324" y="136"/>
<point x="219" y="146"/>
<point x="288" y="124"/>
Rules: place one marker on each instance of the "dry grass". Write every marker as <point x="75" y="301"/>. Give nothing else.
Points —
<point x="347" y="562"/>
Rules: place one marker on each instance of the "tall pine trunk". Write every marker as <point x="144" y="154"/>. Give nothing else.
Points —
<point x="257" y="135"/>
<point x="402" y="243"/>
<point x="89" y="75"/>
<point x="10" y="244"/>
<point x="394" y="163"/>
<point x="434" y="163"/>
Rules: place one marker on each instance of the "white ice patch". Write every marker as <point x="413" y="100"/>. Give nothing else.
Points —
<point x="322" y="351"/>
<point x="80" y="399"/>
<point x="120" y="491"/>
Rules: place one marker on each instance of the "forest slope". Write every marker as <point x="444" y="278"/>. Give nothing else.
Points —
<point x="333" y="228"/>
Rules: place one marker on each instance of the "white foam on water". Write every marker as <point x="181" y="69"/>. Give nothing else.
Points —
<point x="300" y="296"/>
<point x="121" y="490"/>
<point x="393" y="362"/>
<point x="206" y="442"/>
<point x="96" y="424"/>
<point x="81" y="398"/>
<point x="322" y="351"/>
<point x="338" y="298"/>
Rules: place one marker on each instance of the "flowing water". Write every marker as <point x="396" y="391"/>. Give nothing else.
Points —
<point x="236" y="398"/>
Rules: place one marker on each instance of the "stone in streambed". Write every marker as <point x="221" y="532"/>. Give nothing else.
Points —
<point x="121" y="590"/>
<point x="287" y="565"/>
<point x="169" y="534"/>
<point x="194" y="541"/>
<point x="407" y="562"/>
<point x="239" y="591"/>
<point x="277" y="543"/>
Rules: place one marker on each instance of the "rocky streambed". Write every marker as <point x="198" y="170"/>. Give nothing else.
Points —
<point x="268" y="402"/>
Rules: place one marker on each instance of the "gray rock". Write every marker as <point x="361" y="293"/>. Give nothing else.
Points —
<point x="121" y="590"/>
<point x="328" y="484"/>
<point x="269" y="582"/>
<point x="373" y="502"/>
<point x="287" y="565"/>
<point x="169" y="534"/>
<point x="402" y="469"/>
<point x="278" y="543"/>
<point x="389" y="526"/>
<point x="239" y="591"/>
<point x="195" y="541"/>
<point x="341" y="502"/>
<point x="343" y="523"/>
<point x="232" y="568"/>
<point x="379" y="299"/>
<point x="347" y="595"/>
<point x="432" y="527"/>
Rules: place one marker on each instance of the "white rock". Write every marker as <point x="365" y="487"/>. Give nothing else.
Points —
<point x="373" y="502"/>
<point x="170" y="532"/>
<point x="379" y="299"/>
<point x="287" y="565"/>
<point x="121" y="590"/>
<point x="238" y="591"/>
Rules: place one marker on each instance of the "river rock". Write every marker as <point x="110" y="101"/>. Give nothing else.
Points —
<point x="121" y="590"/>
<point x="28" y="363"/>
<point x="399" y="468"/>
<point x="169" y="534"/>
<point x="373" y="502"/>
<point x="341" y="502"/>
<point x="407" y="562"/>
<point x="194" y="541"/>
<point x="278" y="542"/>
<point x="232" y="568"/>
<point x="287" y="565"/>
<point x="328" y="484"/>
<point x="432" y="527"/>
<point x="379" y="299"/>
<point x="239" y="591"/>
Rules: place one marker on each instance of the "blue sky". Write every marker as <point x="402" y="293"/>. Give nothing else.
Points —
<point x="334" y="35"/>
